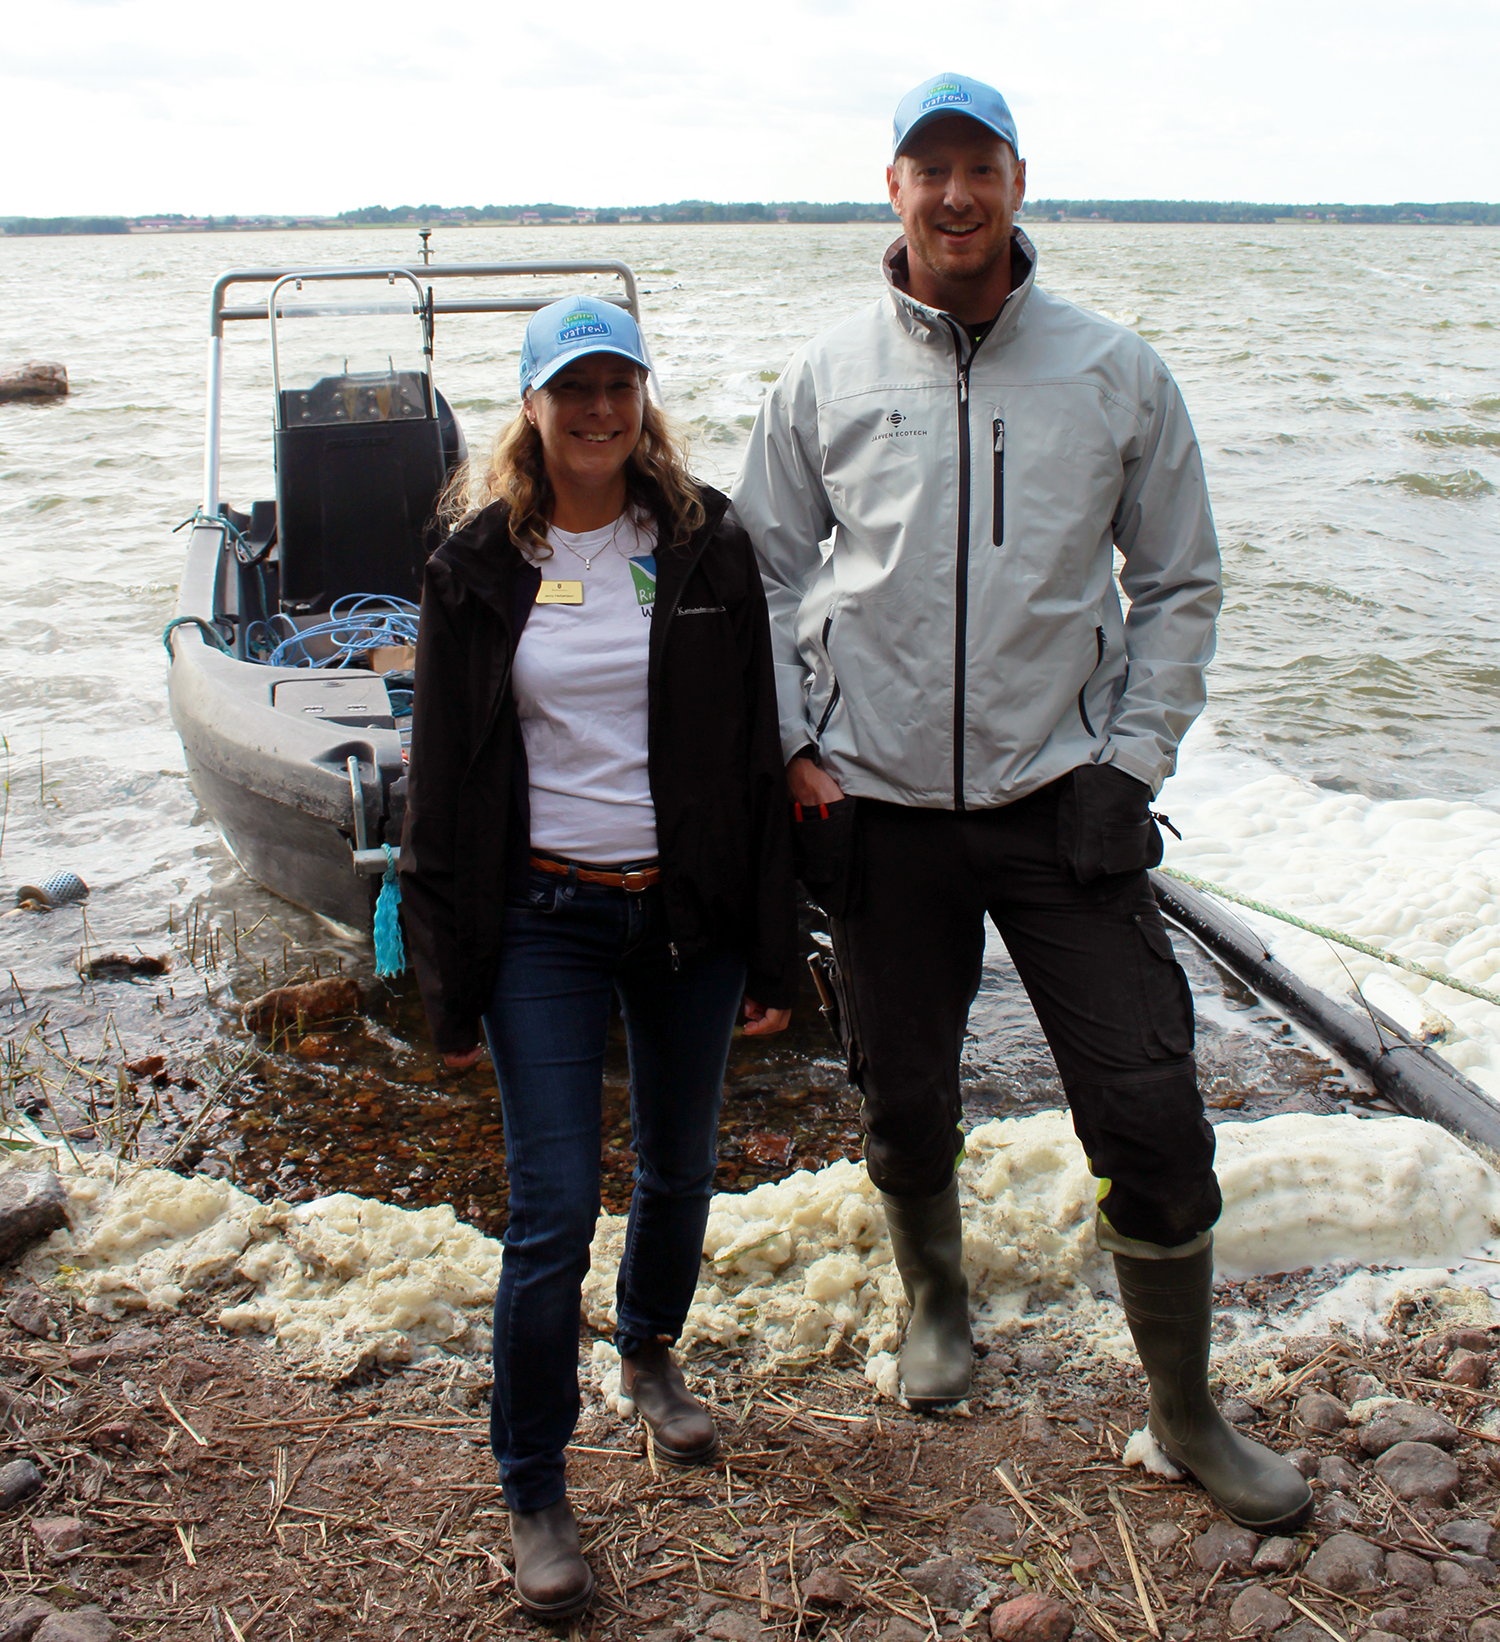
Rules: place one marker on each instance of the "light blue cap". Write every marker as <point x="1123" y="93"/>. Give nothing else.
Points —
<point x="952" y="94"/>
<point x="578" y="325"/>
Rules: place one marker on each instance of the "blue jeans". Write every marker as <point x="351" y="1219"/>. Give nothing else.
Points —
<point x="566" y="947"/>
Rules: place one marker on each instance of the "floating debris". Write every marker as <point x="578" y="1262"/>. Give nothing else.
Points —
<point x="298" y="1005"/>
<point x="125" y="966"/>
<point x="61" y="889"/>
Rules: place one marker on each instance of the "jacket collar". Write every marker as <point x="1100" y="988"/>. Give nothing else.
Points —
<point x="924" y="322"/>
<point x="481" y="557"/>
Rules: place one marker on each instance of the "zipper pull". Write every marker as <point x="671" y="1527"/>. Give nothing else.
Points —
<point x="676" y="962"/>
<point x="963" y="387"/>
<point x="999" y="437"/>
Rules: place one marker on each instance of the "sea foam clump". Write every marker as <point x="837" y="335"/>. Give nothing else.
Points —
<point x="792" y="1268"/>
<point x="1419" y="878"/>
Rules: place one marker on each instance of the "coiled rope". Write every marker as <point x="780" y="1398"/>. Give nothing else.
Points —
<point x="1334" y="935"/>
<point x="356" y="623"/>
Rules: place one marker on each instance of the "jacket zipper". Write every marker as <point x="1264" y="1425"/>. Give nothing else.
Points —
<point x="999" y="431"/>
<point x="1083" y="711"/>
<point x="961" y="597"/>
<point x="833" y="695"/>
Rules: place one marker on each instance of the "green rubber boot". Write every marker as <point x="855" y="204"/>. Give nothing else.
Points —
<point x="937" y="1355"/>
<point x="1168" y="1298"/>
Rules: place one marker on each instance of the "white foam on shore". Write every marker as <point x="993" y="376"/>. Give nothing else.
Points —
<point x="1417" y="877"/>
<point x="795" y="1267"/>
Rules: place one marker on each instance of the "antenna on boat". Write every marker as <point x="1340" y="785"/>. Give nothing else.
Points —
<point x="425" y="234"/>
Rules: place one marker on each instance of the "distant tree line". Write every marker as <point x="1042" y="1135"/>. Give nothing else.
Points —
<point x="679" y="211"/>
<point x="67" y="225"/>
<point x="1456" y="212"/>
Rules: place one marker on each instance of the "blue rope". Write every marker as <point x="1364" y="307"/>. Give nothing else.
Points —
<point x="390" y="951"/>
<point x="357" y="622"/>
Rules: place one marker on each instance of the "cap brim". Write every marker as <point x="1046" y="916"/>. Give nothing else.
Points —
<point x="919" y="125"/>
<point x="548" y="371"/>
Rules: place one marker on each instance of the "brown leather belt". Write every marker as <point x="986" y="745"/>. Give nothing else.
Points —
<point x="632" y="881"/>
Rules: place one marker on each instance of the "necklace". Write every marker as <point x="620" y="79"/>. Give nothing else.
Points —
<point x="588" y="562"/>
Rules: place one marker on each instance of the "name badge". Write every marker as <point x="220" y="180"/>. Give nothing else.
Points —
<point x="560" y="593"/>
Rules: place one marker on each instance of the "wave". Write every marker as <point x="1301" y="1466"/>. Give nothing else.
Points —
<point x="1462" y="486"/>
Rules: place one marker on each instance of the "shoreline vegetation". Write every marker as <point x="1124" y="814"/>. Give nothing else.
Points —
<point x="1451" y="213"/>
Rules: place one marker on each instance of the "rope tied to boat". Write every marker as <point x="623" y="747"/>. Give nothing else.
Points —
<point x="206" y="628"/>
<point x="390" y="950"/>
<point x="1334" y="935"/>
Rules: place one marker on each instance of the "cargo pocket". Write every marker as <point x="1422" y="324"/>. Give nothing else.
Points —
<point x="823" y="853"/>
<point x="1168" y="997"/>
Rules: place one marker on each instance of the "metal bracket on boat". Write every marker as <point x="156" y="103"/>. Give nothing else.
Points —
<point x="368" y="863"/>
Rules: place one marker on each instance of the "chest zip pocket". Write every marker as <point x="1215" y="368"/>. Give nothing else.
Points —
<point x="999" y="432"/>
<point x="833" y="694"/>
<point x="1083" y="711"/>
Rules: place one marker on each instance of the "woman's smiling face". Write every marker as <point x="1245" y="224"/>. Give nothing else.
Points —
<point x="589" y="419"/>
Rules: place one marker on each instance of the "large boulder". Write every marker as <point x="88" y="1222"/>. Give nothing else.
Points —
<point x="37" y="379"/>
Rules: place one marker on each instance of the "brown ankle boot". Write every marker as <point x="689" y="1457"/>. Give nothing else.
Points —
<point x="552" y="1579"/>
<point x="682" y="1430"/>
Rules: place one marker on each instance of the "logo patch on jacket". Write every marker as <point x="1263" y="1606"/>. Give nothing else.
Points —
<point x="643" y="574"/>
<point x="896" y="429"/>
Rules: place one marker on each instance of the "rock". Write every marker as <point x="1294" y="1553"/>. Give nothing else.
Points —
<point x="1276" y="1556"/>
<point x="1037" y="1429"/>
<point x="90" y="1624"/>
<point x="902" y="1630"/>
<point x="946" y="1581"/>
<point x="297" y="1005"/>
<point x="828" y="1588"/>
<point x="1334" y="1471"/>
<point x="127" y="1343"/>
<point x="1397" y="1620"/>
<point x="36" y="379"/>
<point x="1470" y="1368"/>
<point x="1163" y="1536"/>
<point x="664" y="1633"/>
<point x="1346" y="1563"/>
<point x="31" y="1314"/>
<point x="1451" y="1577"/>
<point x="1471" y="1534"/>
<point x="1257" y="1610"/>
<point x="17" y="1480"/>
<point x="1468" y="1339"/>
<point x="1480" y="1566"/>
<point x="117" y="1434"/>
<point x="1084" y="1557"/>
<point x="20" y="1616"/>
<point x="1227" y="1544"/>
<point x="1304" y="1461"/>
<point x="992" y="1521"/>
<point x="1485" y="1629"/>
<point x="1318" y="1411"/>
<point x="1036" y="1357"/>
<point x="1031" y="1619"/>
<point x="728" y="1626"/>
<point x="32" y="1205"/>
<point x="59" y="1537"/>
<point x="1417" y="1470"/>
<point x="1356" y="1386"/>
<point x="1379" y="1636"/>
<point x="1408" y="1571"/>
<point x="1238" y="1412"/>
<point x="1407" y="1422"/>
<point x="1335" y="1512"/>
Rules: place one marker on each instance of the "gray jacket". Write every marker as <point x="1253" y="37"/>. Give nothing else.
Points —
<point x="936" y="529"/>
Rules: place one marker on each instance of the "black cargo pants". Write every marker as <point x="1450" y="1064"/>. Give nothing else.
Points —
<point x="1098" y="966"/>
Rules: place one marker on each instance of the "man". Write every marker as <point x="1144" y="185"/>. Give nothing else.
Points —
<point x="970" y="452"/>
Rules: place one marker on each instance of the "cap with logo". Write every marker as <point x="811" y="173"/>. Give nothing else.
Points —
<point x="947" y="94"/>
<point x="564" y="331"/>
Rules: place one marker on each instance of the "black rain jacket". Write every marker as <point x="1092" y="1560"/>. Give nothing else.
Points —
<point x="714" y="763"/>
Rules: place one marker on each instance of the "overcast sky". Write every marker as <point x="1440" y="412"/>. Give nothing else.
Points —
<point x="134" y="106"/>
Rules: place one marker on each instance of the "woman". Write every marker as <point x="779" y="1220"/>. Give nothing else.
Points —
<point x="595" y="805"/>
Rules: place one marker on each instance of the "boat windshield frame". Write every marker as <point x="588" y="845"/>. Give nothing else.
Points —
<point x="427" y="308"/>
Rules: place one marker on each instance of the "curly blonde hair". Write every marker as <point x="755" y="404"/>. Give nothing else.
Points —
<point x="657" y="482"/>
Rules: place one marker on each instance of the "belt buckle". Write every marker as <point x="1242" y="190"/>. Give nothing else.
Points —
<point x="635" y="883"/>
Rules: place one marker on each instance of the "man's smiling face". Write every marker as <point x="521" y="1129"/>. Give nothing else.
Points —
<point x="957" y="188"/>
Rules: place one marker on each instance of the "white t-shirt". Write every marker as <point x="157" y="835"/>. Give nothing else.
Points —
<point x="580" y="684"/>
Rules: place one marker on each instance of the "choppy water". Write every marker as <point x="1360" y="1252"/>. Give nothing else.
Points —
<point x="1345" y="384"/>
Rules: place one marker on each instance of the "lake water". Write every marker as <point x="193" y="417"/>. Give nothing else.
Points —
<point x="1345" y="384"/>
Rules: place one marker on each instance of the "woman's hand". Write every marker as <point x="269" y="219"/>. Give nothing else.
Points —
<point x="759" y="1020"/>
<point x="462" y="1063"/>
<point x="809" y="785"/>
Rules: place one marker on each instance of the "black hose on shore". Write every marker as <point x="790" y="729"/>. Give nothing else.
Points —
<point x="1409" y="1074"/>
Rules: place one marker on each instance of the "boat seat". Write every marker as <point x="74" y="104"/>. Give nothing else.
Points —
<point x="359" y="469"/>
